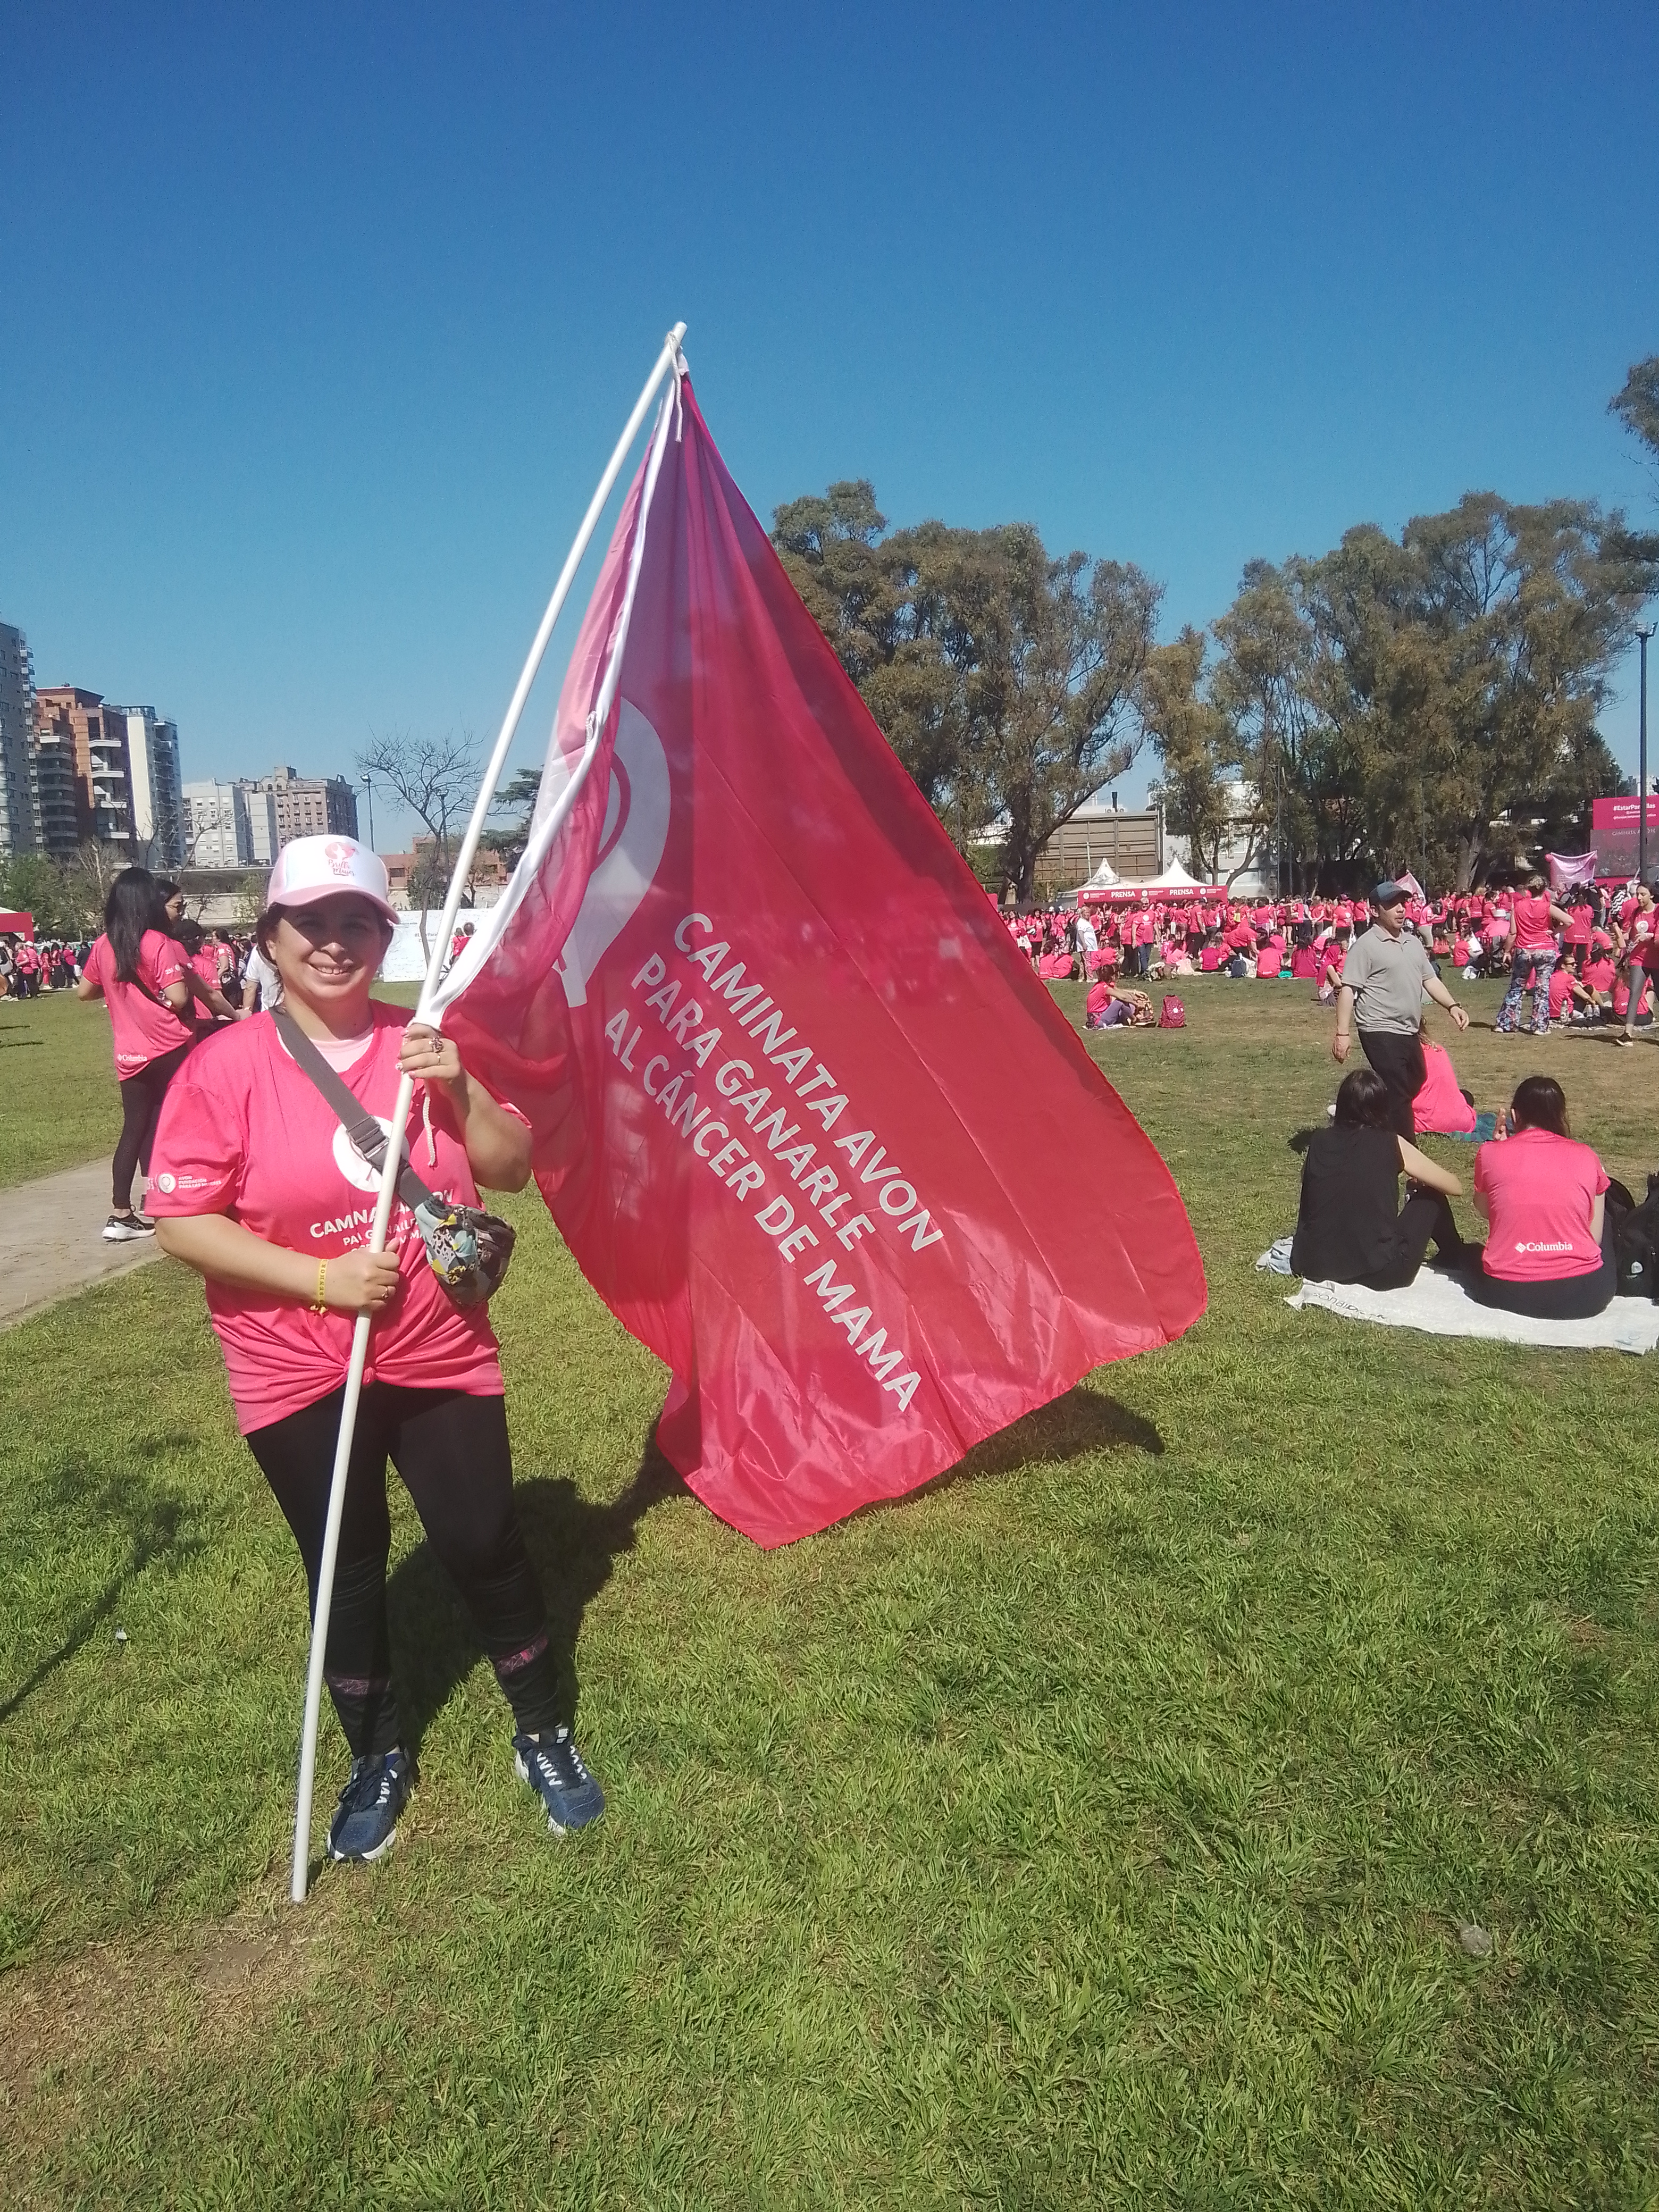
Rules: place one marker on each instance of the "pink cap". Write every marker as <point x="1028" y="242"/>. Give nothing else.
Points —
<point x="313" y="868"/>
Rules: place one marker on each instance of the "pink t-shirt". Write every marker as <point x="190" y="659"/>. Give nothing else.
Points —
<point x="1533" y="932"/>
<point x="143" y="1030"/>
<point x="1560" y="993"/>
<point x="1598" y="974"/>
<point x="244" y="1132"/>
<point x="1440" y="1105"/>
<point x="1539" y="1189"/>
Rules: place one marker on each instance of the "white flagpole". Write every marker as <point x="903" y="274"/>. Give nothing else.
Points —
<point x="666" y="360"/>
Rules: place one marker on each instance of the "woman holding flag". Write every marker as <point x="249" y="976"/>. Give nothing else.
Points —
<point x="258" y="1186"/>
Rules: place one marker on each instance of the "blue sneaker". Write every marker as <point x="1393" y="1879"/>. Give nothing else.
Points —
<point x="553" y="1767"/>
<point x="365" y="1823"/>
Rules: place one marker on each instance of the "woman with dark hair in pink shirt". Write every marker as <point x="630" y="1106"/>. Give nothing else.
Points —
<point x="1549" y="1251"/>
<point x="260" y="1188"/>
<point x="141" y="972"/>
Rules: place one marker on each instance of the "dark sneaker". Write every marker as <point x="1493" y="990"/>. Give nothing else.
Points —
<point x="365" y="1823"/>
<point x="553" y="1767"/>
<point x="124" y="1228"/>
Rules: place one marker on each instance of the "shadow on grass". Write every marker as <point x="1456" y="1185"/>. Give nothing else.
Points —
<point x="576" y="1543"/>
<point x="1073" y="1426"/>
<point x="153" y="1522"/>
<point x="573" y="1544"/>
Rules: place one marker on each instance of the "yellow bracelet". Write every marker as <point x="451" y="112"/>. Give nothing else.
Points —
<point x="319" y="1304"/>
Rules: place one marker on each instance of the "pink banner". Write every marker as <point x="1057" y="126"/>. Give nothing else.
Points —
<point x="804" y="1115"/>
<point x="1566" y="869"/>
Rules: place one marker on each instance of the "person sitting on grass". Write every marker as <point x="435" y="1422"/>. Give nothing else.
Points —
<point x="1549" y="1254"/>
<point x="1349" y="1226"/>
<point x="1441" y="1107"/>
<point x="1570" y="1000"/>
<point x="1118" y="1009"/>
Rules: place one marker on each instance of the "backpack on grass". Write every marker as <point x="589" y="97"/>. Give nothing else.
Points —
<point x="1172" y="1014"/>
<point x="1636" y="1241"/>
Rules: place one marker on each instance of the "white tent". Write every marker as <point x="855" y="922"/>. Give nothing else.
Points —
<point x="1103" y="878"/>
<point x="1175" y="878"/>
<point x="405" y="958"/>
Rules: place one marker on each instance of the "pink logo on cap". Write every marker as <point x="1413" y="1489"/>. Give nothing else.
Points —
<point x="339" y="858"/>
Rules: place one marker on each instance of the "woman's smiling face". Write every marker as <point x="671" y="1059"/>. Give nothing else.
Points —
<point x="328" y="952"/>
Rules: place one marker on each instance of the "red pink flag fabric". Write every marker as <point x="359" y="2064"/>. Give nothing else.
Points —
<point x="804" y="1115"/>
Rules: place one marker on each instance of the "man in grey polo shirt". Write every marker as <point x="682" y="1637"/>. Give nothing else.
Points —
<point x="1385" y="977"/>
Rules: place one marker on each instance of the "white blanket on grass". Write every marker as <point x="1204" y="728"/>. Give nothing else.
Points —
<point x="1439" y="1305"/>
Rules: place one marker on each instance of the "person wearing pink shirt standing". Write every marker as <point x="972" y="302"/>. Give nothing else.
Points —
<point x="143" y="975"/>
<point x="1638" y="955"/>
<point x="1536" y="918"/>
<point x="1145" y="935"/>
<point x="259" y="1189"/>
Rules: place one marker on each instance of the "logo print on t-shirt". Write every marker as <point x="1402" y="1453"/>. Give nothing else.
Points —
<point x="350" y="1162"/>
<point x="167" y="1183"/>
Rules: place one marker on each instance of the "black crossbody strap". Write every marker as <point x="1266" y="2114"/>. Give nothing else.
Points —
<point x="366" y="1135"/>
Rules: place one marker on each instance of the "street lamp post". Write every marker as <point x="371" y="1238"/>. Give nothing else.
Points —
<point x="369" y="786"/>
<point x="1642" y="768"/>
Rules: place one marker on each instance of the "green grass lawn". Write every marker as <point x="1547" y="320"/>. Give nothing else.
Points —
<point x="1093" y="1829"/>
<point x="59" y="1101"/>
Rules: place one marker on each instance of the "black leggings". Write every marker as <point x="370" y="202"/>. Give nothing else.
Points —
<point x="140" y="1110"/>
<point x="1563" y="1297"/>
<point x="450" y="1449"/>
<point x="1426" y="1214"/>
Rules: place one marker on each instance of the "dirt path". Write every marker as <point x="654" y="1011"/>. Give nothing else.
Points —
<point x="56" y="1249"/>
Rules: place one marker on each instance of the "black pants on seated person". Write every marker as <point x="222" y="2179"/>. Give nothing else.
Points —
<point x="1426" y="1217"/>
<point x="1564" y="1298"/>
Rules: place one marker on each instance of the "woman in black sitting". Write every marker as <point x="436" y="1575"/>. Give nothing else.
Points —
<point x="1349" y="1226"/>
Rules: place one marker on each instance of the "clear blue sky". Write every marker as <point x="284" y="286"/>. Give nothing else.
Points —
<point x="320" y="322"/>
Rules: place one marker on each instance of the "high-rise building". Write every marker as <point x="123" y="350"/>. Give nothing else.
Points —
<point x="158" y="825"/>
<point x="75" y="718"/>
<point x="311" y="806"/>
<point x="263" y="841"/>
<point x="56" y="805"/>
<point x="20" y="826"/>
<point x="123" y="769"/>
<point x="216" y="833"/>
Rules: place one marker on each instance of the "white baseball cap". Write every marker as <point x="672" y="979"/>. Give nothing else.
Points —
<point x="313" y="868"/>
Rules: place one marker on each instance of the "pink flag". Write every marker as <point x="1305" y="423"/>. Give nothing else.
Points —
<point x="1568" y="870"/>
<point x="804" y="1117"/>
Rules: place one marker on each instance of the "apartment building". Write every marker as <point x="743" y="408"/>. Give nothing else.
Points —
<point x="310" y="806"/>
<point x="20" y="826"/>
<point x="217" y="831"/>
<point x="117" y="766"/>
<point x="71" y="720"/>
<point x="154" y="786"/>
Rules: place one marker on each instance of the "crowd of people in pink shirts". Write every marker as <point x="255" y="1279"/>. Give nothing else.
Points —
<point x="1575" y="954"/>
